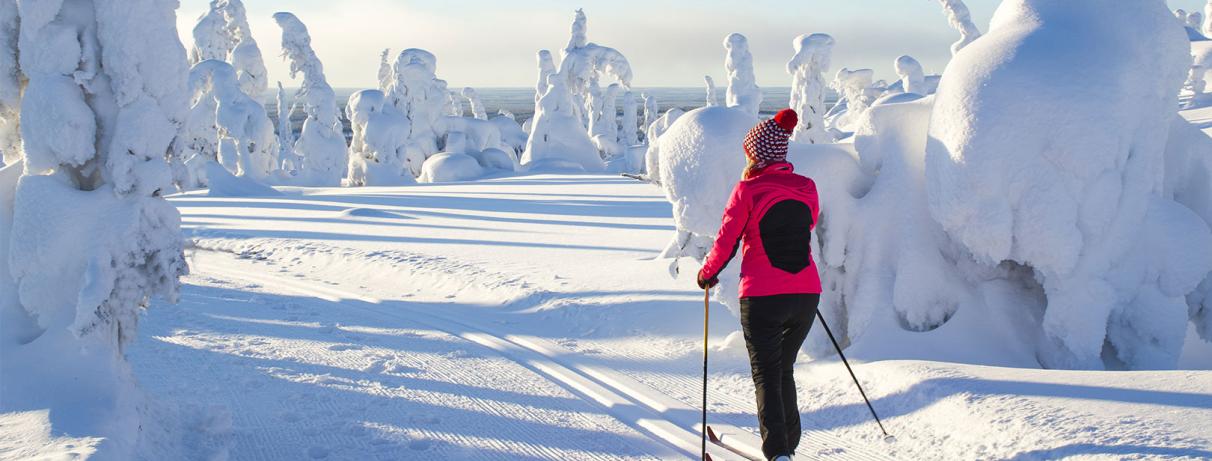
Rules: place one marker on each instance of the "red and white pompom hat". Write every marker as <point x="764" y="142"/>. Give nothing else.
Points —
<point x="766" y="143"/>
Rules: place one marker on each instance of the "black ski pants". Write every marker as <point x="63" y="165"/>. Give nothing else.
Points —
<point x="775" y="327"/>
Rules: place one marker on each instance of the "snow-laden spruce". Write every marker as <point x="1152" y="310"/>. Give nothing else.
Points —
<point x="86" y="237"/>
<point x="807" y="67"/>
<point x="379" y="144"/>
<point x="321" y="143"/>
<point x="473" y="100"/>
<point x="288" y="160"/>
<point x="558" y="139"/>
<point x="742" y="84"/>
<point x="1068" y="182"/>
<point x="247" y="145"/>
<point x="420" y="96"/>
<point x="223" y="34"/>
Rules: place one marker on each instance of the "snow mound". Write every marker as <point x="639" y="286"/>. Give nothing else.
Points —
<point x="450" y="167"/>
<point x="1065" y="177"/>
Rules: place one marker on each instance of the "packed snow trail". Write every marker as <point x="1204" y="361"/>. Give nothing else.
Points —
<point x="536" y="299"/>
<point x="312" y="372"/>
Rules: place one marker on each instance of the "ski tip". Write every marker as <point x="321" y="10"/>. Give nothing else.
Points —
<point x="706" y="457"/>
<point x="711" y="435"/>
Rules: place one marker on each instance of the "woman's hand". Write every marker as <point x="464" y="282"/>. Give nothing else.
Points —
<point x="708" y="283"/>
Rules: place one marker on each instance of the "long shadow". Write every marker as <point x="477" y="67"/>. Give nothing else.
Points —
<point x="1116" y="450"/>
<point x="927" y="392"/>
<point x="311" y="235"/>
<point x="398" y="222"/>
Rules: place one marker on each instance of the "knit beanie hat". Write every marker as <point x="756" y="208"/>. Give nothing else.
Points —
<point x="766" y="143"/>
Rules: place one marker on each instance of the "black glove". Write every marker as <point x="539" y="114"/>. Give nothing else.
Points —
<point x="708" y="283"/>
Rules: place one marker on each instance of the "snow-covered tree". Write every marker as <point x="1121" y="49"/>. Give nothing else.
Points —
<point x="89" y="237"/>
<point x="604" y="126"/>
<point x="10" y="86"/>
<point x="961" y="19"/>
<point x="742" y="84"/>
<point x="651" y="113"/>
<point x="584" y="64"/>
<point x="419" y="95"/>
<point x="477" y="106"/>
<point x="557" y="137"/>
<point x="1081" y="193"/>
<point x="386" y="73"/>
<point x="913" y="80"/>
<point x="379" y="143"/>
<point x="321" y="142"/>
<point x="246" y="142"/>
<point x="713" y="99"/>
<point x="223" y="34"/>
<point x="858" y="91"/>
<point x="807" y="67"/>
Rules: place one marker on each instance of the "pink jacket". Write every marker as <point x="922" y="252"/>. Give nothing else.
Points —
<point x="770" y="218"/>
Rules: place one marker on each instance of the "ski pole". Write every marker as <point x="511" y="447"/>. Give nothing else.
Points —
<point x="706" y="317"/>
<point x="887" y="438"/>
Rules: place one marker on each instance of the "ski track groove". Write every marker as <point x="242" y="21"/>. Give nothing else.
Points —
<point x="263" y="440"/>
<point x="648" y="384"/>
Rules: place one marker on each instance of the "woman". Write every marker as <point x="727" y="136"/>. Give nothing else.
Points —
<point x="770" y="217"/>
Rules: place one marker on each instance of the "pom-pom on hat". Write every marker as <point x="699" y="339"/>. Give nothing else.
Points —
<point x="766" y="143"/>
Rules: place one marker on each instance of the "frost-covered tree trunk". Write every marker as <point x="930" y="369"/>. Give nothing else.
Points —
<point x="11" y="82"/>
<point x="742" y="84"/>
<point x="807" y="67"/>
<point x="91" y="239"/>
<point x="960" y="19"/>
<point x="287" y="158"/>
<point x="321" y="142"/>
<point x="385" y="71"/>
<point x="629" y="135"/>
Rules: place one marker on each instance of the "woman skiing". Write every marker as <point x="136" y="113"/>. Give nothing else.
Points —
<point x="769" y="218"/>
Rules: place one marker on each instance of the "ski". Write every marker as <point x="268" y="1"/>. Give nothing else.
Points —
<point x="728" y="441"/>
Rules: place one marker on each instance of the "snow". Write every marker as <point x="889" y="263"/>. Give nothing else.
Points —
<point x="503" y="343"/>
<point x="913" y="80"/>
<point x="961" y="20"/>
<point x="807" y="67"/>
<point x="1089" y="219"/>
<point x="321" y="144"/>
<point x="378" y="151"/>
<point x="742" y="84"/>
<point x="1018" y="262"/>
<point x="556" y="132"/>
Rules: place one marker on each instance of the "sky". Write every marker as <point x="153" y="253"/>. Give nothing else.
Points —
<point x="492" y="43"/>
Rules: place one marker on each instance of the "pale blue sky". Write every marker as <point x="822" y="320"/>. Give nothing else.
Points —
<point x="492" y="43"/>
